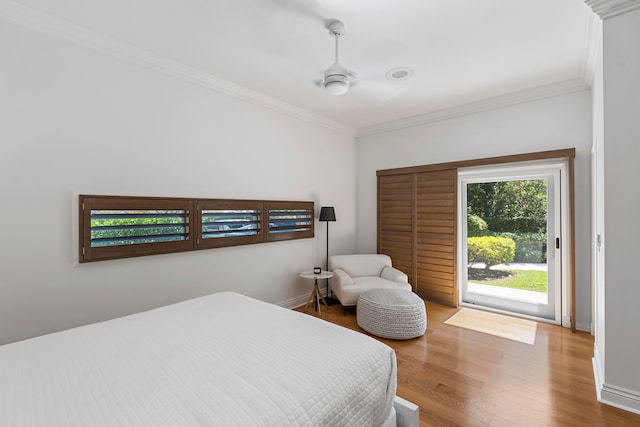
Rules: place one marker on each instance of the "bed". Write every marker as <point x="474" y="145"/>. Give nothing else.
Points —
<point x="218" y="360"/>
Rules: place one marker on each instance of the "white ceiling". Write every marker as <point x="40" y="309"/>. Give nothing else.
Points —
<point x="462" y="51"/>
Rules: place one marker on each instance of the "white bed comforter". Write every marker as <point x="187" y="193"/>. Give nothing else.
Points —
<point x="219" y="360"/>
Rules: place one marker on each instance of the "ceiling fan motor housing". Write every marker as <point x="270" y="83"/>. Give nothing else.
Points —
<point x="336" y="28"/>
<point x="336" y="80"/>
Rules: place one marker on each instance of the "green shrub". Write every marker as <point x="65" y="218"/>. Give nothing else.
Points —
<point x="530" y="247"/>
<point x="491" y="250"/>
<point x="517" y="225"/>
<point x="475" y="223"/>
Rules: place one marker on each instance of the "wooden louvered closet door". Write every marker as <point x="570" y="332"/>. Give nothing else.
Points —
<point x="428" y="252"/>
<point x="417" y="229"/>
<point x="395" y="221"/>
<point x="436" y="236"/>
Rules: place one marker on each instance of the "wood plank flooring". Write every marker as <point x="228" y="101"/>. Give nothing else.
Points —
<point x="460" y="377"/>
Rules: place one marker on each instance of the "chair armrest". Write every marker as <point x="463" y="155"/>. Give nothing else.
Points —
<point x="394" y="275"/>
<point x="341" y="278"/>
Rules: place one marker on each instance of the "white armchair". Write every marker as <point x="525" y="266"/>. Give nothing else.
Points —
<point x="354" y="274"/>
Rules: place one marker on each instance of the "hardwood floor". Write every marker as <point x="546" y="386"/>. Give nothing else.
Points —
<point x="460" y="377"/>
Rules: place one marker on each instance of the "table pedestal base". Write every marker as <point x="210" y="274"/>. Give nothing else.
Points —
<point x="316" y="297"/>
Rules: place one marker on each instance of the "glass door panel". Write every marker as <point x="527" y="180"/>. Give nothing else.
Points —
<point x="511" y="242"/>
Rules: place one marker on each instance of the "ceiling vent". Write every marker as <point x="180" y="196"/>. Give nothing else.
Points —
<point x="399" y="73"/>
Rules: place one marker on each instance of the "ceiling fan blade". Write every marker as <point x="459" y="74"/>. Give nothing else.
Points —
<point x="375" y="57"/>
<point x="306" y="8"/>
<point x="379" y="89"/>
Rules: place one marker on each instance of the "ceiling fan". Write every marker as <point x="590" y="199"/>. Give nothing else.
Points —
<point x="337" y="78"/>
<point x="383" y="64"/>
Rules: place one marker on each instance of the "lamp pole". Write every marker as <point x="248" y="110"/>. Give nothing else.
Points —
<point x="327" y="258"/>
<point x="328" y="214"/>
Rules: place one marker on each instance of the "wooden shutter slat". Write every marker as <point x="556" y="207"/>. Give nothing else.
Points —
<point x="417" y="228"/>
<point x="395" y="221"/>
<point x="433" y="266"/>
<point x="436" y="238"/>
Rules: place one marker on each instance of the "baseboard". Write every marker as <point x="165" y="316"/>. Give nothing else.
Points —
<point x="296" y="302"/>
<point x="620" y="397"/>
<point x="598" y="373"/>
<point x="583" y="327"/>
<point x="611" y="395"/>
<point x="407" y="413"/>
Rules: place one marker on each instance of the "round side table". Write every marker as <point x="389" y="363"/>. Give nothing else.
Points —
<point x="316" y="296"/>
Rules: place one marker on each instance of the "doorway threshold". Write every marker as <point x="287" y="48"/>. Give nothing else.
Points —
<point x="531" y="297"/>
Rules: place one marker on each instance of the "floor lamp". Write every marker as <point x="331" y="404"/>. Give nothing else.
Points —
<point x="327" y="213"/>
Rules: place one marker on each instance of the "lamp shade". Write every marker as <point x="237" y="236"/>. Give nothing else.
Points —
<point x="327" y="214"/>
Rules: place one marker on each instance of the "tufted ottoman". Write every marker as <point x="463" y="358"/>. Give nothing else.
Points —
<point x="392" y="313"/>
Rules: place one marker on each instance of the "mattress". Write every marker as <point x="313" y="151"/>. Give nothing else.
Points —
<point x="220" y="360"/>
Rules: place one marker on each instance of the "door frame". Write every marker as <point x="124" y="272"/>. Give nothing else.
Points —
<point x="562" y="309"/>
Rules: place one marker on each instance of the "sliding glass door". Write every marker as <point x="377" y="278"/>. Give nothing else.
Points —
<point x="511" y="240"/>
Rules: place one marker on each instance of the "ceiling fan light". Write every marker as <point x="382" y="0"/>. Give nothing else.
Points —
<point x="336" y="87"/>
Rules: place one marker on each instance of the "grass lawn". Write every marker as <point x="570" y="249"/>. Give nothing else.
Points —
<point x="528" y="280"/>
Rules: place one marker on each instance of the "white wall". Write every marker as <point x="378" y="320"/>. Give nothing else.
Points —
<point x="548" y="124"/>
<point x="622" y="205"/>
<point x="75" y="120"/>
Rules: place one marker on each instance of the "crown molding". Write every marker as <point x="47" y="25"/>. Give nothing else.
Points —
<point x="592" y="36"/>
<point x="38" y="21"/>
<point x="44" y="23"/>
<point x="561" y="88"/>
<point x="610" y="8"/>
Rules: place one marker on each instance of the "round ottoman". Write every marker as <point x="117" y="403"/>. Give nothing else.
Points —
<point x="392" y="313"/>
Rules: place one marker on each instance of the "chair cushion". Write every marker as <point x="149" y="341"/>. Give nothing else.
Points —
<point x="350" y="294"/>
<point x="360" y="264"/>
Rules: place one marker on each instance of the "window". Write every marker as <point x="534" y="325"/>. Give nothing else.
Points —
<point x="290" y="220"/>
<point x="120" y="227"/>
<point x="229" y="223"/>
<point x="131" y="227"/>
